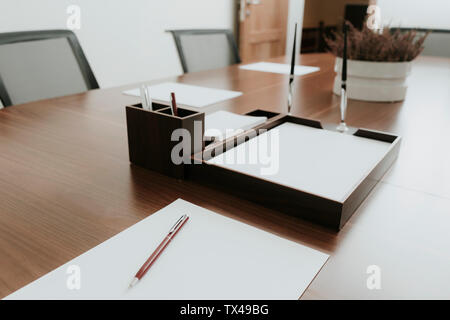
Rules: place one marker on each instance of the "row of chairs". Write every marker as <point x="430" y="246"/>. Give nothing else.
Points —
<point x="38" y="65"/>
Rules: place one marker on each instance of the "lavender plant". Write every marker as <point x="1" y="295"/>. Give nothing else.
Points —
<point x="370" y="45"/>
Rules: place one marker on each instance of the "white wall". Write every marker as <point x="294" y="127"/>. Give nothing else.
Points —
<point x="431" y="14"/>
<point x="124" y="40"/>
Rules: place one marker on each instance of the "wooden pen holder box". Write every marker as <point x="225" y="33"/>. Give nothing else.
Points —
<point x="155" y="143"/>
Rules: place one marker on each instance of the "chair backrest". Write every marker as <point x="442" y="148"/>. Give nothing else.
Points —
<point x="38" y="65"/>
<point x="356" y="14"/>
<point x="436" y="44"/>
<point x="205" y="49"/>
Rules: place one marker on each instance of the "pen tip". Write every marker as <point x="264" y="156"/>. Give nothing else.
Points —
<point x="133" y="283"/>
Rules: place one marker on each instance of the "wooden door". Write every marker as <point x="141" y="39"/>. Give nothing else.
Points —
<point x="262" y="29"/>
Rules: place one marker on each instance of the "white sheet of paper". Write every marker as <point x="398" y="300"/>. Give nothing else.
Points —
<point x="279" y="68"/>
<point x="322" y="162"/>
<point x="186" y="95"/>
<point x="212" y="257"/>
<point x="228" y="123"/>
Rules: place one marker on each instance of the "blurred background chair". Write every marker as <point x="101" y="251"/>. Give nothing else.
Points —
<point x="356" y="14"/>
<point x="37" y="65"/>
<point x="205" y="49"/>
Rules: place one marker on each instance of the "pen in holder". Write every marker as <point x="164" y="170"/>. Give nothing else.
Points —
<point x="145" y="98"/>
<point x="342" y="127"/>
<point x="154" y="141"/>
<point x="291" y="76"/>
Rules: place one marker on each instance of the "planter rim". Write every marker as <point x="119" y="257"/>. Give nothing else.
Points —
<point x="374" y="69"/>
<point x="378" y="62"/>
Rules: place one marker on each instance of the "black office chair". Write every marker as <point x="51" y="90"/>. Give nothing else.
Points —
<point x="38" y="65"/>
<point x="356" y="14"/>
<point x="205" y="49"/>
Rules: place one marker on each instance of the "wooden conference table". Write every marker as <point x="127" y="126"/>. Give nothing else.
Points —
<point x="66" y="184"/>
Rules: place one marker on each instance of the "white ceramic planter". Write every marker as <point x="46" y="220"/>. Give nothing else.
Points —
<point x="373" y="81"/>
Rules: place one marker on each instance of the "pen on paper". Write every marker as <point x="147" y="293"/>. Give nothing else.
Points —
<point x="154" y="256"/>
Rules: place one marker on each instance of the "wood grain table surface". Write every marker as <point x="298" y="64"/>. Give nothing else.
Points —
<point x="66" y="183"/>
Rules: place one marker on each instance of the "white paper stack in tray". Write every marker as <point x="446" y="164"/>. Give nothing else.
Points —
<point x="223" y="124"/>
<point x="321" y="162"/>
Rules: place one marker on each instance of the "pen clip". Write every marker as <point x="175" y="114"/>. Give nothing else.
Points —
<point x="175" y="226"/>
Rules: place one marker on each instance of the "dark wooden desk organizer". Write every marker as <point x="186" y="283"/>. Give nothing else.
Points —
<point x="149" y="137"/>
<point x="326" y="212"/>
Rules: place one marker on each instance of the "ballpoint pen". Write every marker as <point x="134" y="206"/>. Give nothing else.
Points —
<point x="342" y="127"/>
<point x="154" y="256"/>
<point x="291" y="76"/>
